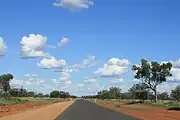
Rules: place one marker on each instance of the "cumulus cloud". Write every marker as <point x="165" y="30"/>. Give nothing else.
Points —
<point x="175" y="74"/>
<point x="51" y="63"/>
<point x="88" y="62"/>
<point x="64" y="41"/>
<point x="32" y="46"/>
<point x="3" y="47"/>
<point x="176" y="64"/>
<point x="64" y="76"/>
<point x="113" y="68"/>
<point x="74" y="5"/>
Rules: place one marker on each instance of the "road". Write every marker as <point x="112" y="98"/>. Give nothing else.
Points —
<point x="84" y="110"/>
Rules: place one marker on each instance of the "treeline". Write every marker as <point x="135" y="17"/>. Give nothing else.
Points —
<point x="136" y="92"/>
<point x="6" y="92"/>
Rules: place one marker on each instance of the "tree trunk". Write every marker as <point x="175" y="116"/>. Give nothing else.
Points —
<point x="155" y="93"/>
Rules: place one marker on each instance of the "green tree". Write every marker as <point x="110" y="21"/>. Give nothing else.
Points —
<point x="163" y="96"/>
<point x="14" y="92"/>
<point x="55" y="94"/>
<point x="175" y="94"/>
<point x="4" y="82"/>
<point x="30" y="94"/>
<point x="152" y="74"/>
<point x="104" y="94"/>
<point x="114" y="92"/>
<point x="139" y="91"/>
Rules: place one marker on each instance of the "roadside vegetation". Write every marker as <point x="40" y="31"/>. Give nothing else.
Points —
<point x="150" y="74"/>
<point x="9" y="95"/>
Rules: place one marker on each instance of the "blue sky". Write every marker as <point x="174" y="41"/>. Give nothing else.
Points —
<point x="122" y="29"/>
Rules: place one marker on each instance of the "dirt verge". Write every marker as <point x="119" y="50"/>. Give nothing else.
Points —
<point x="35" y="112"/>
<point x="144" y="112"/>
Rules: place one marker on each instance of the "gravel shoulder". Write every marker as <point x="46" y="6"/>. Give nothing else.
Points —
<point x="49" y="112"/>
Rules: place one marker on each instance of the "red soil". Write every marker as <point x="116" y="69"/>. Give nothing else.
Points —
<point x="144" y="112"/>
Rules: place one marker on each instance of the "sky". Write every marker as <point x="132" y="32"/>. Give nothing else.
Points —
<point x="83" y="46"/>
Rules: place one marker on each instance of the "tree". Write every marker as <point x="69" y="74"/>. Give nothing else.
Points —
<point x="104" y="94"/>
<point x="30" y="94"/>
<point x="22" y="92"/>
<point x="4" y="82"/>
<point x="114" y="92"/>
<point x="139" y="91"/>
<point x="175" y="94"/>
<point x="14" y="92"/>
<point x="152" y="74"/>
<point x="54" y="94"/>
<point x="163" y="96"/>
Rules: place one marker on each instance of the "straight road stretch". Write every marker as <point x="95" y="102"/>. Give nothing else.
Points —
<point x="85" y="110"/>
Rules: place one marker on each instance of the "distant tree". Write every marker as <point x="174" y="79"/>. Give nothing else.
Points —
<point x="152" y="74"/>
<point x="22" y="92"/>
<point x="55" y="94"/>
<point x="14" y="92"/>
<point x="139" y="91"/>
<point x="114" y="92"/>
<point x="175" y="94"/>
<point x="30" y="94"/>
<point x="46" y="95"/>
<point x="126" y="95"/>
<point x="104" y="94"/>
<point x="163" y="96"/>
<point x="40" y="94"/>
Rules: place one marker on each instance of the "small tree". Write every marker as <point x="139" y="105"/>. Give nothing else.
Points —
<point x="163" y="96"/>
<point x="54" y="94"/>
<point x="139" y="91"/>
<point x="4" y="84"/>
<point x="175" y="94"/>
<point x="152" y="74"/>
<point x="114" y="92"/>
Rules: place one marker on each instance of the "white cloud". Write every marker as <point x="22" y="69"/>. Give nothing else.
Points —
<point x="117" y="81"/>
<point x="74" y="5"/>
<point x="65" y="76"/>
<point x="51" y="63"/>
<point x="3" y="46"/>
<point x="175" y="74"/>
<point x="64" y="41"/>
<point x="27" y="75"/>
<point x="88" y="62"/>
<point x="80" y="85"/>
<point x="176" y="64"/>
<point x="51" y="46"/>
<point x="33" y="45"/>
<point x="113" y="68"/>
<point x="166" y="87"/>
<point x="91" y="80"/>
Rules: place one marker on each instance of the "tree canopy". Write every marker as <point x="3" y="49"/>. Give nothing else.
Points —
<point x="152" y="74"/>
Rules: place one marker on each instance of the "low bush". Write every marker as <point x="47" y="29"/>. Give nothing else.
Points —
<point x="176" y="108"/>
<point x="134" y="102"/>
<point x="118" y="105"/>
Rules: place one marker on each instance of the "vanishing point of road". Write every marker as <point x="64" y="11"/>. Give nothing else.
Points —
<point x="84" y="110"/>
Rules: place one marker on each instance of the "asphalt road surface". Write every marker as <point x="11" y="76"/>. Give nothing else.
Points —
<point x="84" y="110"/>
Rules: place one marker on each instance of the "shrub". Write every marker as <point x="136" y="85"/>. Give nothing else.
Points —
<point x="176" y="108"/>
<point x="118" y="105"/>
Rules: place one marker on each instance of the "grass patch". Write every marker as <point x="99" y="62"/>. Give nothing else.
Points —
<point x="158" y="105"/>
<point x="127" y="107"/>
<point x="19" y="100"/>
<point x="12" y="101"/>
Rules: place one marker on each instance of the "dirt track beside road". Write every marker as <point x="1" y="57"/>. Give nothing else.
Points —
<point x="49" y="112"/>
